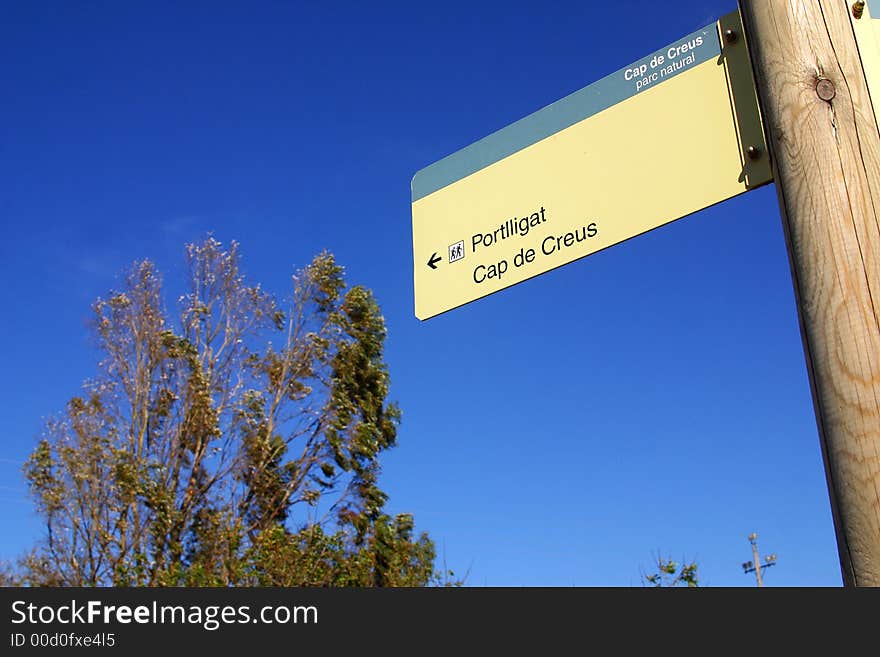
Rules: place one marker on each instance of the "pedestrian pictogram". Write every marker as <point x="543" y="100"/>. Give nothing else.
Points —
<point x="456" y="251"/>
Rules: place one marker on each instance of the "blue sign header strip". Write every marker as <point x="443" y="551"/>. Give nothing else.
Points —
<point x="564" y="113"/>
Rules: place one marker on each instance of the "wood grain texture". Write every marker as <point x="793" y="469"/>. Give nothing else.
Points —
<point x="826" y="158"/>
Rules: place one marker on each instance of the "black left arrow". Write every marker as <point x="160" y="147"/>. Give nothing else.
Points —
<point x="433" y="260"/>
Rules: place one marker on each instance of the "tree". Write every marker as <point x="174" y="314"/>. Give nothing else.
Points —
<point x="668" y="573"/>
<point x="237" y="445"/>
<point x="7" y="575"/>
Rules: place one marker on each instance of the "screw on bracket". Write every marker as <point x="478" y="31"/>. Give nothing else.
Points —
<point x="858" y="8"/>
<point x="754" y="152"/>
<point x="730" y="35"/>
<point x="825" y="89"/>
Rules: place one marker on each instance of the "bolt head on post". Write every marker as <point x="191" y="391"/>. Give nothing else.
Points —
<point x="825" y="89"/>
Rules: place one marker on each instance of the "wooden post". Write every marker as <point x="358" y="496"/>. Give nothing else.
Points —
<point x="825" y="147"/>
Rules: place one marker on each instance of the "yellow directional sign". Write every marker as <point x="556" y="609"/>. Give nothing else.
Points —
<point x="672" y="133"/>
<point x="866" y="27"/>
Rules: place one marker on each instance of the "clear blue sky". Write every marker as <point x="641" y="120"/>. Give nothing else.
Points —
<point x="652" y="397"/>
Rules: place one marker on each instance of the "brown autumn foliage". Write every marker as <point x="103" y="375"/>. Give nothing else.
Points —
<point x="235" y="444"/>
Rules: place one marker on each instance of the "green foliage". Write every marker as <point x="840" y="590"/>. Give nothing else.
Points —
<point x="668" y="573"/>
<point x="238" y="445"/>
<point x="389" y="556"/>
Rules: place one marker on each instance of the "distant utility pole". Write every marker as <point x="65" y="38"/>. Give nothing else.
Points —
<point x="755" y="564"/>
